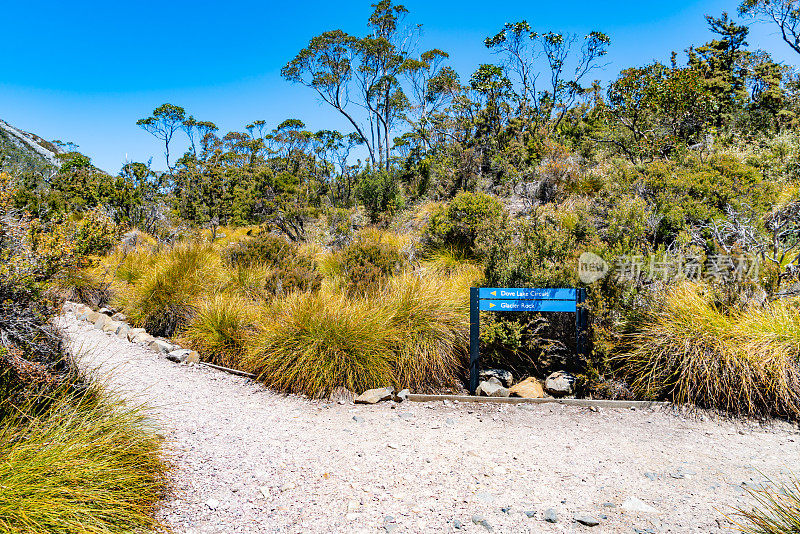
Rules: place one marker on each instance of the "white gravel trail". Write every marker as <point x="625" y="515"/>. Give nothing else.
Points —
<point x="250" y="460"/>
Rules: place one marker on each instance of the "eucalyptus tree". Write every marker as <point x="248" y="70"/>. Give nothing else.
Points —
<point x="163" y="123"/>
<point x="785" y="14"/>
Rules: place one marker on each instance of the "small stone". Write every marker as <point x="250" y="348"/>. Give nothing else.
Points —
<point x="449" y="421"/>
<point x="120" y="317"/>
<point x="504" y="377"/>
<point x="406" y="416"/>
<point x="122" y="331"/>
<point x="530" y="513"/>
<point x="133" y="332"/>
<point x="506" y="509"/>
<point x="651" y="476"/>
<point x="358" y="419"/>
<point x="632" y="504"/>
<point x="609" y="505"/>
<point x="160" y="346"/>
<point x="101" y="320"/>
<point x="491" y="389"/>
<point x="480" y="520"/>
<point x="560" y="384"/>
<point x="457" y="524"/>
<point x="178" y="356"/>
<point x="585" y="519"/>
<point x="212" y="503"/>
<point x="551" y="516"/>
<point x="374" y="396"/>
<point x="106" y="311"/>
<point x="143" y="338"/>
<point x="402" y="395"/>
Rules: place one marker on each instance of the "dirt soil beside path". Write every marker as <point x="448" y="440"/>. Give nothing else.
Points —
<point x="250" y="460"/>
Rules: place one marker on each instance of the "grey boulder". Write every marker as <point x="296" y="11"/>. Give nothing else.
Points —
<point x="492" y="388"/>
<point x="560" y="384"/>
<point x="505" y="377"/>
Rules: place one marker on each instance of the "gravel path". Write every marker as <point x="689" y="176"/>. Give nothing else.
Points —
<point x="250" y="460"/>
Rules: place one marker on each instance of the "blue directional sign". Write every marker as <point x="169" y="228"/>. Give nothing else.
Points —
<point x="528" y="305"/>
<point x="516" y="293"/>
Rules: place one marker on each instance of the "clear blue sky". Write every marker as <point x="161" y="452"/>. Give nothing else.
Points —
<point x="85" y="71"/>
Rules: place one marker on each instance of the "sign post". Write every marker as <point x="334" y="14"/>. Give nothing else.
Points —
<point x="502" y="299"/>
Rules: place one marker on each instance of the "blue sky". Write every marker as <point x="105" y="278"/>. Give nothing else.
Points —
<point x="86" y="71"/>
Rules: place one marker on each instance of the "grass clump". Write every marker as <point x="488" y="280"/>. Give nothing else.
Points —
<point x="312" y="342"/>
<point x="777" y="509"/>
<point x="163" y="300"/>
<point x="87" y="463"/>
<point x="220" y="329"/>
<point x="746" y="362"/>
<point x="431" y="316"/>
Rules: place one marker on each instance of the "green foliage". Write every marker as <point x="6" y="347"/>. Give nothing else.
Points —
<point x="466" y="222"/>
<point x="368" y="262"/>
<point x="379" y="194"/>
<point x="264" y="249"/>
<point x="95" y="233"/>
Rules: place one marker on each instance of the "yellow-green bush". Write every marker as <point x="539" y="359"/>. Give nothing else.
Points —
<point x="220" y="329"/>
<point x="312" y="342"/>
<point x="87" y="464"/>
<point x="686" y="350"/>
<point x="164" y="299"/>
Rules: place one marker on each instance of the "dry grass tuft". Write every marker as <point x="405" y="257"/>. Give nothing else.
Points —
<point x="745" y="363"/>
<point x="220" y="329"/>
<point x="777" y="510"/>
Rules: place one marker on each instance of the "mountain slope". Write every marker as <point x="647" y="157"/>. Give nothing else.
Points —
<point x="24" y="153"/>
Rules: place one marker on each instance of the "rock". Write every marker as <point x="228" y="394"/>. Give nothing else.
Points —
<point x="111" y="326"/>
<point x="402" y="395"/>
<point x="120" y="317"/>
<point x="101" y="320"/>
<point x="212" y="503"/>
<point x="92" y="316"/>
<point x="632" y="504"/>
<point x="560" y="384"/>
<point x="480" y="520"/>
<point x="550" y="516"/>
<point x="530" y="388"/>
<point x="122" y="331"/>
<point x="585" y="519"/>
<point x="506" y="509"/>
<point x="505" y="377"/>
<point x="342" y="395"/>
<point x="193" y="357"/>
<point x="457" y="524"/>
<point x="358" y="419"/>
<point x="182" y="356"/>
<point x="373" y="396"/>
<point x="143" y="337"/>
<point x="491" y="389"/>
<point x="133" y="332"/>
<point x="106" y="311"/>
<point x="68" y="306"/>
<point x="530" y="513"/>
<point x="160" y="346"/>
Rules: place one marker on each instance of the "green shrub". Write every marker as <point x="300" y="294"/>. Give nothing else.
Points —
<point x="220" y="328"/>
<point x="368" y="262"/>
<point x="95" y="233"/>
<point x="688" y="351"/>
<point x="465" y="221"/>
<point x="265" y="249"/>
<point x="164" y="299"/>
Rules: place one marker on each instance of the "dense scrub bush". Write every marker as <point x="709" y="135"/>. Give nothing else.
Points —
<point x="313" y="342"/>
<point x="368" y="262"/>
<point x="686" y="350"/>
<point x="95" y="233"/>
<point x="85" y="463"/>
<point x="265" y="249"/>
<point x="466" y="221"/>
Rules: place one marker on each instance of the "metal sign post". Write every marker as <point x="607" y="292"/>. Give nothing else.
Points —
<point x="501" y="299"/>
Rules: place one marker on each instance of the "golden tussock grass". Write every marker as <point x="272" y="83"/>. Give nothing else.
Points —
<point x="745" y="363"/>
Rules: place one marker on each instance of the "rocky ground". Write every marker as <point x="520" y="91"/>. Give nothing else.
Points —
<point x="250" y="460"/>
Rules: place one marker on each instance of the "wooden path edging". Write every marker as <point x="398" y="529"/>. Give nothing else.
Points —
<point x="598" y="403"/>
